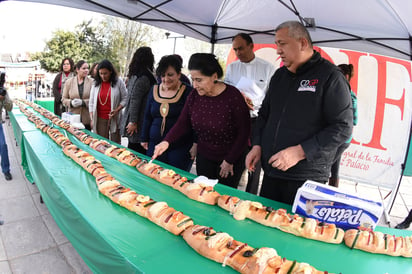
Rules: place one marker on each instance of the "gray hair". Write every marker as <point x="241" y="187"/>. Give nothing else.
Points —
<point x="295" y="30"/>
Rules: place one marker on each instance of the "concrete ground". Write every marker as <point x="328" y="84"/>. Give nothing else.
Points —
<point x="31" y="242"/>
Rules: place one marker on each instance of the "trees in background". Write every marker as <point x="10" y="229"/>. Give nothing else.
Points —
<point x="63" y="44"/>
<point x="112" y="38"/>
<point x="125" y="37"/>
<point x="220" y="50"/>
<point x="115" y="39"/>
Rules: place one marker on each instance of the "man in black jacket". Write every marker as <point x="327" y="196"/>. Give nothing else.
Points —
<point x="305" y="116"/>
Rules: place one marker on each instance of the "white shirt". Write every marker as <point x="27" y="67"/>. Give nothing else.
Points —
<point x="258" y="70"/>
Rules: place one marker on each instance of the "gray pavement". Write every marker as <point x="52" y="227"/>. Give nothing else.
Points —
<point x="31" y="242"/>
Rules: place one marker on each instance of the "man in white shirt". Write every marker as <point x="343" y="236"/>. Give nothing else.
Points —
<point x="251" y="75"/>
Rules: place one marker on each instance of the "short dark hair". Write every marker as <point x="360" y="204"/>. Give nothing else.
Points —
<point x="206" y="63"/>
<point x="295" y="30"/>
<point x="166" y="62"/>
<point x="142" y="60"/>
<point x="347" y="70"/>
<point x="244" y="36"/>
<point x="70" y="61"/>
<point x="106" y="64"/>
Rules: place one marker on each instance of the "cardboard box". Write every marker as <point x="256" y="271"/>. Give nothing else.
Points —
<point x="71" y="117"/>
<point x="334" y="205"/>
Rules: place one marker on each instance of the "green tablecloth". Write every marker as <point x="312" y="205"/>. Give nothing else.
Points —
<point x="46" y="103"/>
<point x="112" y="239"/>
<point x="20" y="125"/>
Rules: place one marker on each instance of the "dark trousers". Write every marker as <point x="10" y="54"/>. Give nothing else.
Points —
<point x="176" y="155"/>
<point x="253" y="178"/>
<point x="408" y="219"/>
<point x="4" y="153"/>
<point x="334" y="172"/>
<point x="211" y="169"/>
<point x="280" y="190"/>
<point x="58" y="108"/>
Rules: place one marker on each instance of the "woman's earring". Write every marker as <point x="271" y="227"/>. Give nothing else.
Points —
<point x="215" y="81"/>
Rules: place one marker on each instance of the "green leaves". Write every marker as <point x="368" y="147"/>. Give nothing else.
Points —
<point x="111" y="38"/>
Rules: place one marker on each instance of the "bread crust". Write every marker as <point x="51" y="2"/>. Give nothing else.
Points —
<point x="294" y="224"/>
<point x="115" y="192"/>
<point x="113" y="151"/>
<point x="107" y="186"/>
<point x="149" y="169"/>
<point x="194" y="191"/>
<point x="227" y="202"/>
<point x="66" y="143"/>
<point x="167" y="177"/>
<point x="92" y="165"/>
<point x="42" y="126"/>
<point x="207" y="242"/>
<point x="141" y="205"/>
<point x="80" y="135"/>
<point x="128" y="158"/>
<point x="167" y="217"/>
<point x="200" y="192"/>
<point x="222" y="248"/>
<point x="70" y="151"/>
<point x="378" y="242"/>
<point x="122" y="195"/>
<point x="100" y="145"/>
<point x="104" y="176"/>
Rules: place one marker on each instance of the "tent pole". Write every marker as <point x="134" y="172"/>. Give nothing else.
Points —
<point x="403" y="167"/>
<point x="410" y="47"/>
<point x="213" y="38"/>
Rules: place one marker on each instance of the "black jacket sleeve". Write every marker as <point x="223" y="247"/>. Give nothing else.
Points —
<point x="338" y="113"/>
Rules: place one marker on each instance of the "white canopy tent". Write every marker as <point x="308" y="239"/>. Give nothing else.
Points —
<point x="376" y="26"/>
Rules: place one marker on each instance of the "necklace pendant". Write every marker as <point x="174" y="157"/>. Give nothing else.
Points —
<point x="164" y="109"/>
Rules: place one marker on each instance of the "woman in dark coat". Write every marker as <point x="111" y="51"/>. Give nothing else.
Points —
<point x="164" y="105"/>
<point x="140" y="81"/>
<point x="66" y="72"/>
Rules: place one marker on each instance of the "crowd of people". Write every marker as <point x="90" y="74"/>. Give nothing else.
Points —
<point x="293" y="122"/>
<point x="301" y="114"/>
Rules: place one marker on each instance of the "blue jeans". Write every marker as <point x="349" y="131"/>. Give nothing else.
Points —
<point x="5" y="164"/>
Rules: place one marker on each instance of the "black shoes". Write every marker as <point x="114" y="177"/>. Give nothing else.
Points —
<point x="404" y="225"/>
<point x="8" y="176"/>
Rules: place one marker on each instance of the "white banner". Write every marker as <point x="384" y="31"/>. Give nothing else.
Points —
<point x="384" y="90"/>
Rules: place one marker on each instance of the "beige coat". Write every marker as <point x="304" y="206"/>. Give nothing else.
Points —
<point x="71" y="91"/>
